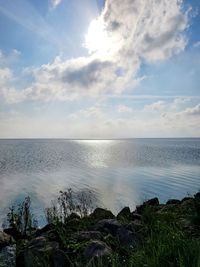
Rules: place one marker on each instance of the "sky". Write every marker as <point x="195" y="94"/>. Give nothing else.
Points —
<point x="95" y="69"/>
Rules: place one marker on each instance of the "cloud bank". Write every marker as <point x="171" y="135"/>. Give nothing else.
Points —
<point x="168" y="119"/>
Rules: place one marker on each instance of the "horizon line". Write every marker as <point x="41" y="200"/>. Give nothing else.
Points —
<point x="93" y="139"/>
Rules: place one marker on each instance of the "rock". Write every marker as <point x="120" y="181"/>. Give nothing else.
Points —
<point x="173" y="201"/>
<point x="45" y="229"/>
<point x="5" y="239"/>
<point x="136" y="216"/>
<point x="52" y="235"/>
<point x="125" y="213"/>
<point x="169" y="208"/>
<point x="72" y="216"/>
<point x="101" y="214"/>
<point x="38" y="250"/>
<point x="14" y="233"/>
<point x="135" y="226"/>
<point x="127" y="238"/>
<point x="8" y="256"/>
<point x="188" y="205"/>
<point x="89" y="235"/>
<point x="73" y="223"/>
<point x="108" y="225"/>
<point x="41" y="243"/>
<point x="197" y="195"/>
<point x="60" y="259"/>
<point x="96" y="249"/>
<point x="186" y="199"/>
<point x="151" y="202"/>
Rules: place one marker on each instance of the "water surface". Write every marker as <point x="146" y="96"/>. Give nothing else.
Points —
<point x="121" y="172"/>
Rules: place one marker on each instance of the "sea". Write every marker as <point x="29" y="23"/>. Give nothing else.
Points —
<point x="121" y="173"/>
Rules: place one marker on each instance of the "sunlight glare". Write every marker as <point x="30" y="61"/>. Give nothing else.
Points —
<point x="97" y="39"/>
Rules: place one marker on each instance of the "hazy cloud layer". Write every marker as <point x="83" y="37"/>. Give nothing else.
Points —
<point x="107" y="122"/>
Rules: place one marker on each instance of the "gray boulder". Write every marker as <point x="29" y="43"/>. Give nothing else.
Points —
<point x="151" y="202"/>
<point x="108" y="226"/>
<point x="136" y="216"/>
<point x="125" y="213"/>
<point x="173" y="201"/>
<point x="96" y="249"/>
<point x="127" y="238"/>
<point x="186" y="199"/>
<point x="135" y="226"/>
<point x="101" y="214"/>
<point x="41" y="250"/>
<point x="4" y="239"/>
<point x="88" y="235"/>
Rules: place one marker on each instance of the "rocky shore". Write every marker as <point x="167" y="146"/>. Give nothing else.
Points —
<point x="153" y="234"/>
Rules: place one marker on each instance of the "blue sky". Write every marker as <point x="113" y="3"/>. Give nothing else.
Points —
<point x="89" y="69"/>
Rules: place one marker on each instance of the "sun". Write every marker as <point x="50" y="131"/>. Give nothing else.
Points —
<point x="97" y="39"/>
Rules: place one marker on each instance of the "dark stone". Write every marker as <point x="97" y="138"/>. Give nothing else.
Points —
<point x="151" y="202"/>
<point x="60" y="259"/>
<point x="5" y="239"/>
<point x="96" y="249"/>
<point x="73" y="223"/>
<point x="135" y="226"/>
<point x="100" y="214"/>
<point x="14" y="233"/>
<point x="173" y="201"/>
<point x="52" y="235"/>
<point x="108" y="225"/>
<point x="127" y="238"/>
<point x="36" y="251"/>
<point x="88" y="235"/>
<point x="124" y="213"/>
<point x="197" y="195"/>
<point x="72" y="216"/>
<point x="136" y="216"/>
<point x="186" y="199"/>
<point x="45" y="229"/>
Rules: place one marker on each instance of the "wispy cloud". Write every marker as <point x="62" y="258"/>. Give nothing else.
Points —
<point x="197" y="44"/>
<point x="26" y="15"/>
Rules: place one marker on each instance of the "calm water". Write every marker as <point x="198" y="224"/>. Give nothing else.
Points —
<point x="122" y="172"/>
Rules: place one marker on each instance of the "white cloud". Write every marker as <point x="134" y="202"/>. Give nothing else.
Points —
<point x="151" y="30"/>
<point x="137" y="31"/>
<point x="8" y="92"/>
<point x="5" y="76"/>
<point x="55" y="3"/>
<point x="156" y="106"/>
<point x="124" y="109"/>
<point x="194" y="111"/>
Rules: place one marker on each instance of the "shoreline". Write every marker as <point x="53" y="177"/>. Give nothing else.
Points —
<point x="99" y="238"/>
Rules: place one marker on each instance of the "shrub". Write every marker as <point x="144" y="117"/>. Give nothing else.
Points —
<point x="70" y="201"/>
<point x="21" y="218"/>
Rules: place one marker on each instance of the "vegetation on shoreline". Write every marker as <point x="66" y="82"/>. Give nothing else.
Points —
<point x="153" y="235"/>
